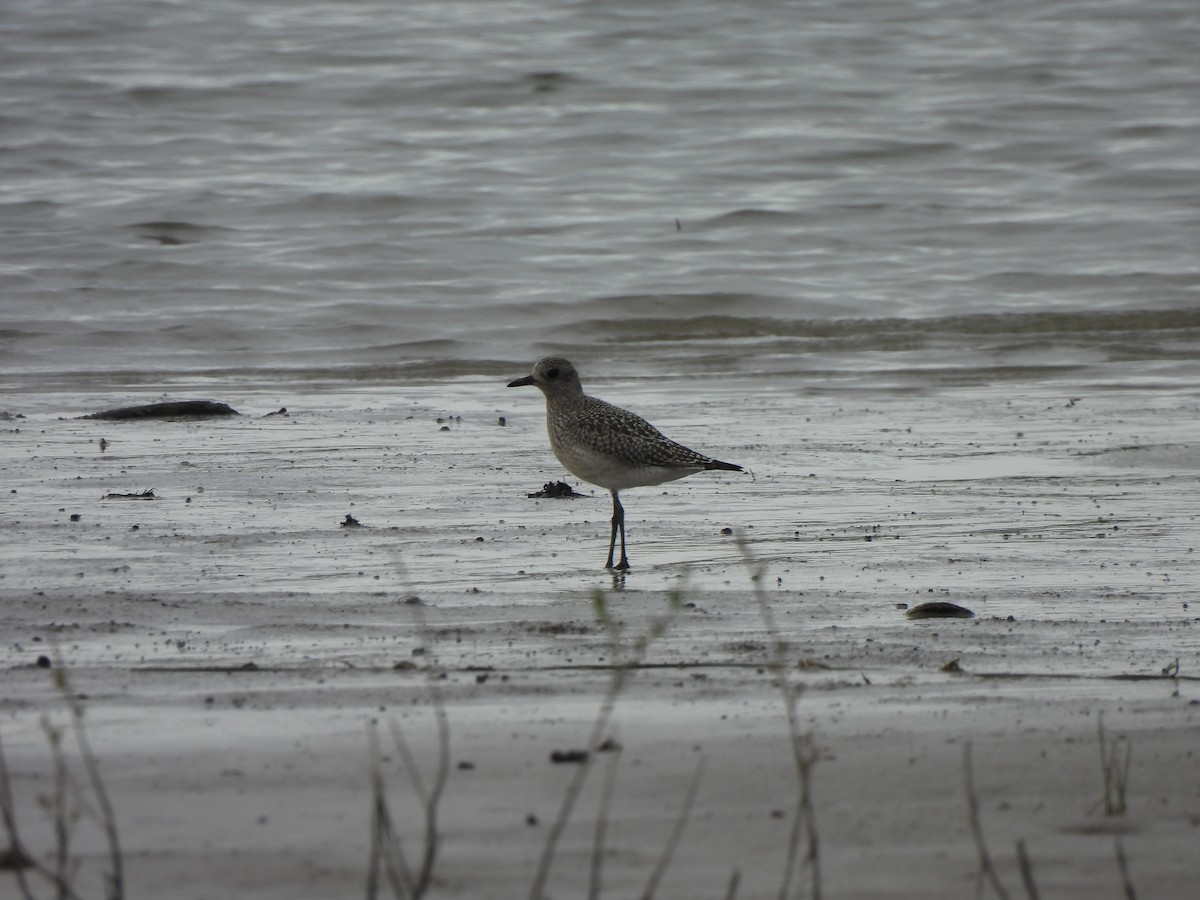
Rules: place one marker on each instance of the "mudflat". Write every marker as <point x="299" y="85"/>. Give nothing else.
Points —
<point x="234" y="640"/>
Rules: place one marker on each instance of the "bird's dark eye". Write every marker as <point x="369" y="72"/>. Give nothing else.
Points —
<point x="552" y="374"/>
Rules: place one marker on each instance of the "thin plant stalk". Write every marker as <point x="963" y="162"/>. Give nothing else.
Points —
<point x="621" y="671"/>
<point x="1123" y="868"/>
<point x="804" y="755"/>
<point x="986" y="870"/>
<point x="21" y="859"/>
<point x="387" y="850"/>
<point x="432" y="800"/>
<point x="1114" y="768"/>
<point x="600" y="834"/>
<point x="386" y="847"/>
<point x="1026" y="868"/>
<point x="685" y="812"/>
<point x="108" y="819"/>
<point x="59" y="816"/>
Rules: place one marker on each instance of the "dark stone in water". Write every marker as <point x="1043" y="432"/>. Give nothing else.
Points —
<point x="940" y="609"/>
<point x="168" y="410"/>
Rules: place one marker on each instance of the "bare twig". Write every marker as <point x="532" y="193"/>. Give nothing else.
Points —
<point x="986" y="869"/>
<point x="386" y="846"/>
<point x="58" y="804"/>
<point x="1114" y="768"/>
<point x="689" y="798"/>
<point x="16" y="851"/>
<point x="600" y="832"/>
<point x="804" y="753"/>
<point x="621" y="671"/>
<point x="62" y="813"/>
<point x="387" y="850"/>
<point x="108" y="820"/>
<point x="1123" y="868"/>
<point x="1026" y="871"/>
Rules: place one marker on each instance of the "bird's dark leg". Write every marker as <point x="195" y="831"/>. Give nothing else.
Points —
<point x="618" y="523"/>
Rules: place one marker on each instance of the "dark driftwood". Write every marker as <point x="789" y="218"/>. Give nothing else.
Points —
<point x="169" y="410"/>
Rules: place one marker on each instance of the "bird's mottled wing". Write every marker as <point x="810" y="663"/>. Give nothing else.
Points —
<point x="619" y="433"/>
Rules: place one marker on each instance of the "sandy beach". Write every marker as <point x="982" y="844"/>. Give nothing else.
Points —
<point x="234" y="643"/>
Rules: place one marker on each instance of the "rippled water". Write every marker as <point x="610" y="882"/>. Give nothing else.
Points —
<point x="376" y="190"/>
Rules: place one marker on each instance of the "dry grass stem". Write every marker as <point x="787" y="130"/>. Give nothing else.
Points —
<point x="387" y="852"/>
<point x="1123" y="868"/>
<point x="987" y="872"/>
<point x="1026" y="868"/>
<point x="685" y="812"/>
<point x="621" y="671"/>
<point x="1115" y="755"/>
<point x="600" y="833"/>
<point x="804" y="753"/>
<point x="63" y="806"/>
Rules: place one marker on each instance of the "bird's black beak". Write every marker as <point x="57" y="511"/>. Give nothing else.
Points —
<point x="521" y="382"/>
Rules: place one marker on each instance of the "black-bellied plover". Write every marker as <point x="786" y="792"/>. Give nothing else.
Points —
<point x="606" y="445"/>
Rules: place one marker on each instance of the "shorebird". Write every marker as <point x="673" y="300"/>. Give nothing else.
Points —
<point x="608" y="446"/>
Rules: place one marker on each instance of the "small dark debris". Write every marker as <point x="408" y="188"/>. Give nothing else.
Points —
<point x="481" y="678"/>
<point x="568" y="756"/>
<point x="531" y="820"/>
<point x="282" y="411"/>
<point x="351" y="522"/>
<point x="413" y="600"/>
<point x="810" y="663"/>
<point x="13" y="858"/>
<point x="727" y="531"/>
<point x="556" y="490"/>
<point x="168" y="410"/>
<point x="75" y="517"/>
<point x="951" y="666"/>
<point x="939" y="609"/>
<point x="147" y="494"/>
<point x="465" y="765"/>
<point x="561" y="628"/>
<point x="404" y="665"/>
<point x="608" y="745"/>
<point x="502" y="421"/>
<point x="250" y="667"/>
<point x="43" y="662"/>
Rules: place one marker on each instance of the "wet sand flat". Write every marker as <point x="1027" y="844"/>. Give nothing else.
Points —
<point x="235" y="640"/>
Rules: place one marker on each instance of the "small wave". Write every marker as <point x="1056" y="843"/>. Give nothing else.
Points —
<point x="174" y="233"/>
<point x="740" y="218"/>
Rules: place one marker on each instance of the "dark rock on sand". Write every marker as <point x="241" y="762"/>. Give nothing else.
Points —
<point x="168" y="410"/>
<point x="940" y="609"/>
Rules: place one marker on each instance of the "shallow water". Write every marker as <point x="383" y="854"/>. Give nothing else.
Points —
<point x="362" y="191"/>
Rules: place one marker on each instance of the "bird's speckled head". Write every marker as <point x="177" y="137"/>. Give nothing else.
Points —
<point x="553" y="376"/>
